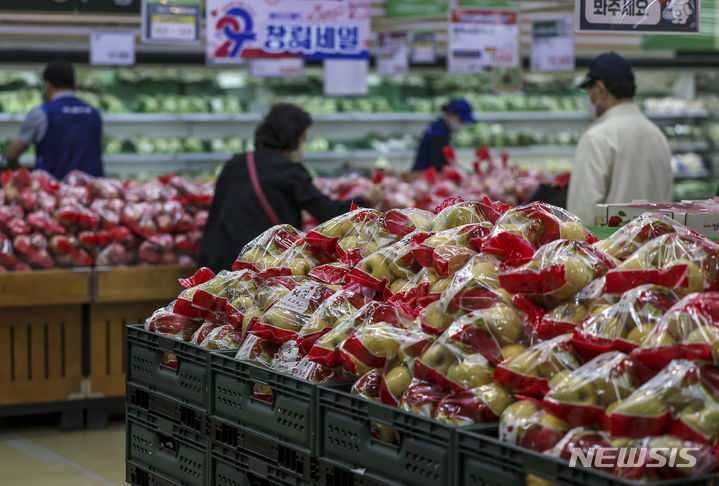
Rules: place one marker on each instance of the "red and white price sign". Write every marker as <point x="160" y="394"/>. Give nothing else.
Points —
<point x="552" y="45"/>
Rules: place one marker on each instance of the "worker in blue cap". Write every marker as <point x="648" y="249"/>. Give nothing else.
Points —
<point x="456" y="115"/>
<point x="622" y="156"/>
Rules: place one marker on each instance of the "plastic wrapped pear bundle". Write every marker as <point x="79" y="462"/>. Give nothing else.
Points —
<point x="263" y="252"/>
<point x="684" y="263"/>
<point x="394" y="263"/>
<point x="216" y="293"/>
<point x="284" y="319"/>
<point x="476" y="286"/>
<point x="416" y="294"/>
<point x="557" y="271"/>
<point x="689" y="330"/>
<point x="624" y="325"/>
<point x="273" y="288"/>
<point x="326" y="350"/>
<point x="587" y="442"/>
<point x="167" y="322"/>
<point x="421" y="398"/>
<point x="530" y="371"/>
<point x="372" y="345"/>
<point x="331" y="312"/>
<point x="631" y="237"/>
<point x="456" y="212"/>
<point x="475" y="406"/>
<point x="582" y="396"/>
<point x="682" y="399"/>
<point x="524" y="229"/>
<point x="453" y="367"/>
<point x="664" y="458"/>
<point x="449" y="250"/>
<point x="527" y="424"/>
<point x="222" y="338"/>
<point x="301" y="258"/>
<point x="342" y="231"/>
<point x="488" y="331"/>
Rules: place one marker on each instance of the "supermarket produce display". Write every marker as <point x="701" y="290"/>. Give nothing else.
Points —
<point x="482" y="313"/>
<point x="84" y="221"/>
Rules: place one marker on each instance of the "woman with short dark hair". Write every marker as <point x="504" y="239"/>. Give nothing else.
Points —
<point x="258" y="190"/>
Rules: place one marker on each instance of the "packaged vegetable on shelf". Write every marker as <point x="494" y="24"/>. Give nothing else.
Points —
<point x="527" y="424"/>
<point x="284" y="319"/>
<point x="67" y="252"/>
<point x="326" y="350"/>
<point x="630" y="238"/>
<point x="626" y="324"/>
<point x="689" y="330"/>
<point x="681" y="400"/>
<point x="557" y="272"/>
<point x="262" y="252"/>
<point x="475" y="406"/>
<point x="42" y="222"/>
<point x="684" y="263"/>
<point x="529" y="372"/>
<point x="7" y="256"/>
<point x="581" y="397"/>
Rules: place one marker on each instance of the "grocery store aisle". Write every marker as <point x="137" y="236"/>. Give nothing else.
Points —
<point x="33" y="453"/>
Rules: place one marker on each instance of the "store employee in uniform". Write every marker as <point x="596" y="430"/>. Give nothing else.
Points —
<point x="66" y="131"/>
<point x="622" y="156"/>
<point x="457" y="114"/>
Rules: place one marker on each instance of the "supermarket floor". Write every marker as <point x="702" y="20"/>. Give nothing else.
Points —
<point x="34" y="452"/>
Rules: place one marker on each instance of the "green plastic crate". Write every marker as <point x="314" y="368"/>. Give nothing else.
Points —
<point x="158" y="404"/>
<point x="138" y="475"/>
<point x="483" y="460"/>
<point x="166" y="448"/>
<point x="237" y="468"/>
<point x="423" y="457"/>
<point x="145" y="366"/>
<point x="289" y="420"/>
<point x="330" y="473"/>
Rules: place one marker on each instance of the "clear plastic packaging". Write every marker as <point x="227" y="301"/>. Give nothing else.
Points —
<point x="332" y="311"/>
<point x="635" y="234"/>
<point x="262" y="252"/>
<point x="530" y="371"/>
<point x="557" y="272"/>
<point x="582" y="396"/>
<point x="343" y="231"/>
<point x="689" y="330"/>
<point x="681" y="400"/>
<point x="624" y="325"/>
<point x="684" y="263"/>
<point x="527" y="424"/>
<point x="478" y="405"/>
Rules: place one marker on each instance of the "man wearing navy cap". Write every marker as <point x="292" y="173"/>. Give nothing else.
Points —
<point x="457" y="114"/>
<point x="622" y="156"/>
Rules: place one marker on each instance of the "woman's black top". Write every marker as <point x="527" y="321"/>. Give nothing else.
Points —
<point x="237" y="216"/>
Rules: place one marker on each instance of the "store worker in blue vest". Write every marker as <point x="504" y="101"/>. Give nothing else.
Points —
<point x="457" y="114"/>
<point x="66" y="131"/>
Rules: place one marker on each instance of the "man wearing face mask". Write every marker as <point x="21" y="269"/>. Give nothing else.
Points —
<point x="457" y="114"/>
<point x="258" y="190"/>
<point x="66" y="131"/>
<point x="622" y="156"/>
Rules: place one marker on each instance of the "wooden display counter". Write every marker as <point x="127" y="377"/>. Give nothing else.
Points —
<point x="62" y="335"/>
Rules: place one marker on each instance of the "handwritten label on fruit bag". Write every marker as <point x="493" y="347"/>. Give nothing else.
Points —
<point x="298" y="300"/>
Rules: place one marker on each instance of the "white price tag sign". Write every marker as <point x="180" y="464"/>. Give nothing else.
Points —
<point x="277" y="68"/>
<point x="553" y="45"/>
<point x="480" y="38"/>
<point x="346" y="77"/>
<point x="109" y="48"/>
<point x="393" y="53"/>
<point x="298" y="300"/>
